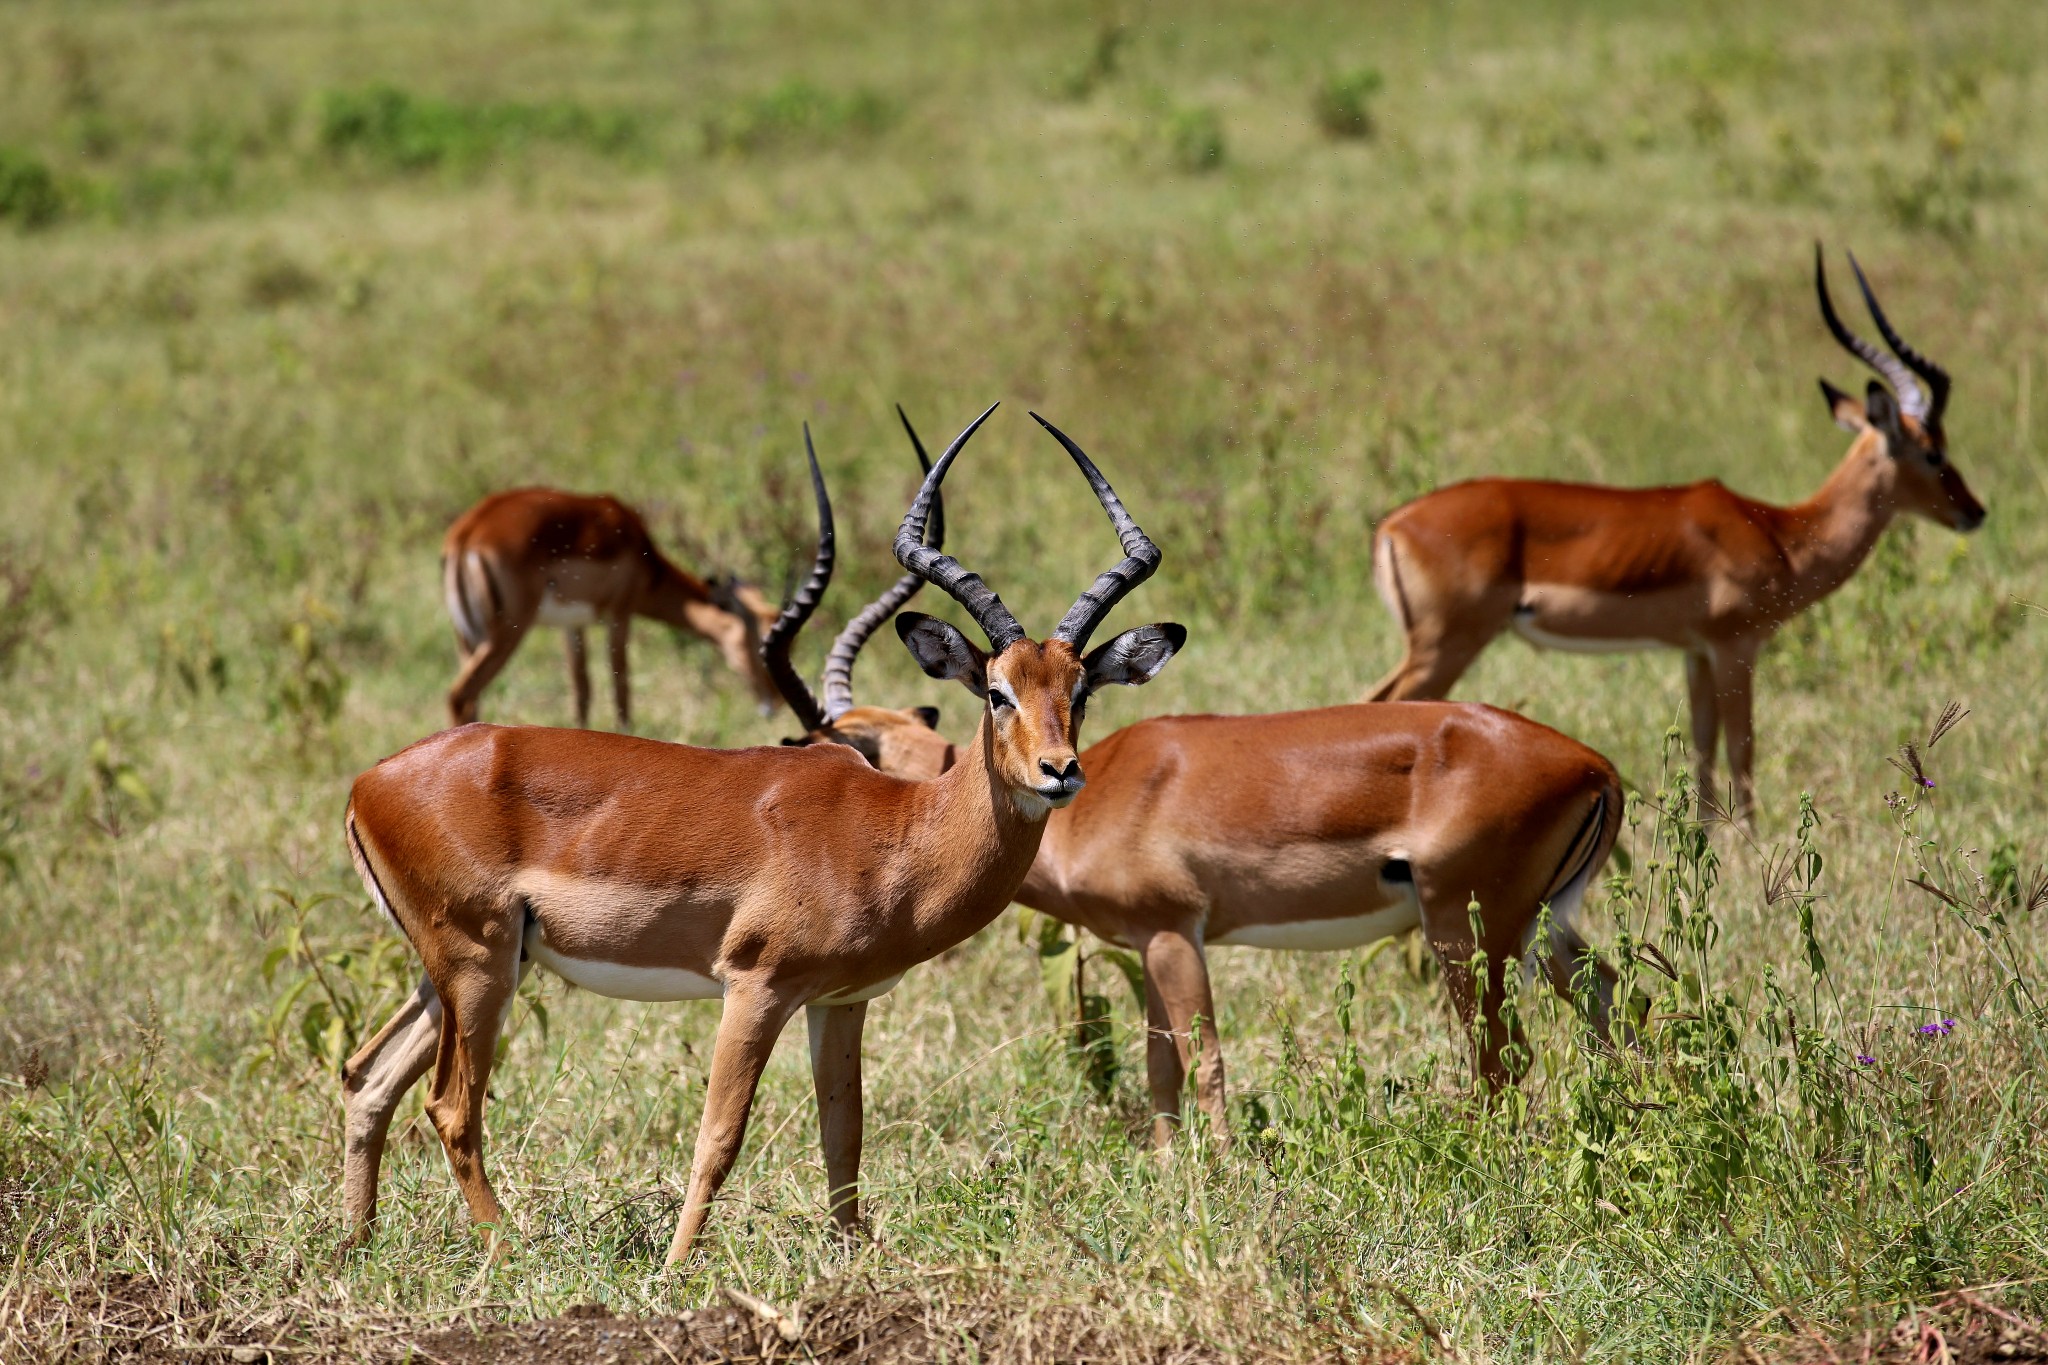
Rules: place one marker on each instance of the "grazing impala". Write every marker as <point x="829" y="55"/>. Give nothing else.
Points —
<point x="1317" y="829"/>
<point x="1699" y="568"/>
<point x="776" y="878"/>
<point x="539" y="556"/>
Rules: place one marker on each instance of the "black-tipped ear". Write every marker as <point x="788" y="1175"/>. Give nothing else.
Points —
<point x="1882" y="410"/>
<point x="1846" y="410"/>
<point x="928" y="714"/>
<point x="942" y="651"/>
<point x="1134" y="657"/>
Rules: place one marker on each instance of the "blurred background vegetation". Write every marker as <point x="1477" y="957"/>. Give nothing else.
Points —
<point x="284" y="289"/>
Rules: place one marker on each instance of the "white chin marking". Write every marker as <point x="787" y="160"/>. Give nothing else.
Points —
<point x="1328" y="935"/>
<point x="620" y="982"/>
<point x="854" y="997"/>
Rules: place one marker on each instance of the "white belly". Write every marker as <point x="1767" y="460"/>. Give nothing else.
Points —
<point x="564" y="612"/>
<point x="1327" y="935"/>
<point x="1526" y="627"/>
<point x="620" y="982"/>
<point x="854" y="997"/>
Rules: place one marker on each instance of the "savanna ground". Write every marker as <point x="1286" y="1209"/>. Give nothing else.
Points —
<point x="283" y="289"/>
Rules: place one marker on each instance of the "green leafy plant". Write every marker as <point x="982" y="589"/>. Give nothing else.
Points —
<point x="793" y="113"/>
<point x="1194" y="139"/>
<point x="29" y="193"/>
<point x="389" y="126"/>
<point x="1343" y="102"/>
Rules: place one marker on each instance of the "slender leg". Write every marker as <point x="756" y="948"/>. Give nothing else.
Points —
<point x="754" y="1016"/>
<point x="1735" y="680"/>
<point x="579" y="674"/>
<point x="835" y="1070"/>
<point x="484" y="663"/>
<point x="1431" y="667"/>
<point x="1706" y="715"/>
<point x="1567" y="950"/>
<point x="475" y="988"/>
<point x="372" y="1084"/>
<point x="1177" y="979"/>
<point x="621" y="629"/>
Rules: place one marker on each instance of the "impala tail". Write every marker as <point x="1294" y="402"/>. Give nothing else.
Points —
<point x="464" y="580"/>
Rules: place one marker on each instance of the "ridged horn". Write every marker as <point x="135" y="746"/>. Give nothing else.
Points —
<point x="942" y="570"/>
<point x="1912" y="399"/>
<point x="1141" y="556"/>
<point x="775" y="649"/>
<point x="1936" y="377"/>
<point x="847" y="648"/>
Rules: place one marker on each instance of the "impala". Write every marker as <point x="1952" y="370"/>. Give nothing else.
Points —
<point x="1320" y="829"/>
<point x="775" y="878"/>
<point x="539" y="556"/>
<point x="1701" y="569"/>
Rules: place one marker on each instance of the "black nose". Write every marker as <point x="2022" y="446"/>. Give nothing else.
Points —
<point x="1067" y="774"/>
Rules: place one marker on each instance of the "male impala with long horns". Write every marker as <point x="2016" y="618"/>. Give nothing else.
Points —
<point x="1699" y="568"/>
<point x="776" y="878"/>
<point x="1320" y="829"/>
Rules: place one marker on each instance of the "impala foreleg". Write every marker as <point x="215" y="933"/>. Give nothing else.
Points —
<point x="1735" y="682"/>
<point x="1705" y="706"/>
<point x="476" y="983"/>
<point x="373" y="1082"/>
<point x="1180" y="1019"/>
<point x="579" y="674"/>
<point x="747" y="1030"/>
<point x="835" y="1070"/>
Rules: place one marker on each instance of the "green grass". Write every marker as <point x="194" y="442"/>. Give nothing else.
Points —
<point x="250" y="369"/>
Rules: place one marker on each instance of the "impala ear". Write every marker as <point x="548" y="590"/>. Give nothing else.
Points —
<point x="943" y="652"/>
<point x="1883" y="411"/>
<point x="1847" y="412"/>
<point x="1134" y="657"/>
<point x="928" y="714"/>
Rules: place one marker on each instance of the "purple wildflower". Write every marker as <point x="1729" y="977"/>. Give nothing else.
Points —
<point x="1865" y="1059"/>
<point x="1939" y="1029"/>
<point x="1926" y="782"/>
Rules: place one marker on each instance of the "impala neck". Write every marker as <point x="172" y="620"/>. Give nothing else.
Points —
<point x="1827" y="536"/>
<point x="976" y="847"/>
<point x="674" y="595"/>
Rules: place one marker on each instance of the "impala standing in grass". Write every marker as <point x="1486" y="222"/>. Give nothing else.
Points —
<point x="776" y="878"/>
<point x="1316" y="829"/>
<point x="1594" y="569"/>
<point x="539" y="556"/>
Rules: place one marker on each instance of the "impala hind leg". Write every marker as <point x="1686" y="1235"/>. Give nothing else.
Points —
<point x="835" y="1070"/>
<point x="373" y="1082"/>
<point x="617" y="635"/>
<point x="484" y="664"/>
<point x="579" y="674"/>
<point x="1438" y="653"/>
<point x="1475" y="996"/>
<point x="1180" y="1029"/>
<point x="753" y="1019"/>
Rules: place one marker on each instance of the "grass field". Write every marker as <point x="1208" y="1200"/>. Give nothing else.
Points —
<point x="285" y="288"/>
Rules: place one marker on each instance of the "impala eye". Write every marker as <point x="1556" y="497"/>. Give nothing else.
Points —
<point x="998" y="699"/>
<point x="1934" y="457"/>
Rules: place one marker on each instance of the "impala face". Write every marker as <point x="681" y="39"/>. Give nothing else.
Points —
<point x="1924" y="482"/>
<point x="1035" y="694"/>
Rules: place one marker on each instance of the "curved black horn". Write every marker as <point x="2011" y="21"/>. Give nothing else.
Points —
<point x="1911" y="399"/>
<point x="942" y="570"/>
<point x="804" y="601"/>
<point x="1141" y="556"/>
<point x="1936" y="377"/>
<point x="845" y="649"/>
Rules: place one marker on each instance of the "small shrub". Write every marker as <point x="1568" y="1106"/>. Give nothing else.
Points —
<point x="1343" y="102"/>
<point x="274" y="280"/>
<point x="1195" y="139"/>
<point x="795" y="111"/>
<point x="29" y="194"/>
<point x="307" y="686"/>
<point x="407" y="132"/>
